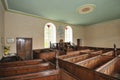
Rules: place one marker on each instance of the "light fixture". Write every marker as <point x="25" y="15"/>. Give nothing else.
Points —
<point x="87" y="8"/>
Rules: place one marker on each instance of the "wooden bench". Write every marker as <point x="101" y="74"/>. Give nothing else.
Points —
<point x="83" y="73"/>
<point x="47" y="56"/>
<point x="95" y="62"/>
<point x="11" y="71"/>
<point x="74" y="53"/>
<point x="77" y="58"/>
<point x="111" y="68"/>
<point x="44" y="75"/>
<point x="95" y="53"/>
<point x="21" y="63"/>
<point x="83" y="57"/>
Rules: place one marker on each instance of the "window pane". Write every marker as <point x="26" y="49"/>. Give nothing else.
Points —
<point x="49" y="34"/>
<point x="68" y="34"/>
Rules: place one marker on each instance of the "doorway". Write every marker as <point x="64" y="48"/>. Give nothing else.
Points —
<point x="24" y="48"/>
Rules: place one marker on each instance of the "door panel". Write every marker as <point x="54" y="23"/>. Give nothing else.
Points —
<point x="24" y="48"/>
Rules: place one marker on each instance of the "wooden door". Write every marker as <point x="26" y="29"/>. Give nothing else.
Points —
<point x="24" y="48"/>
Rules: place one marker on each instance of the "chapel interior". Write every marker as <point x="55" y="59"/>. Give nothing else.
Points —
<point x="59" y="40"/>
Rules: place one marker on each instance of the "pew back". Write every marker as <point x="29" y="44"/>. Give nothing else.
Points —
<point x="45" y="75"/>
<point x="10" y="71"/>
<point x="20" y="63"/>
<point x="94" y="62"/>
<point x="83" y="73"/>
<point x="74" y="53"/>
<point x="79" y="58"/>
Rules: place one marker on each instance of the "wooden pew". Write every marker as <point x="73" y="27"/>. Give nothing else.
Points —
<point x="44" y="75"/>
<point x="109" y="53"/>
<point x="21" y="63"/>
<point x="83" y="73"/>
<point x="111" y="68"/>
<point x="74" y="53"/>
<point x="11" y="71"/>
<point x="64" y="75"/>
<point x="95" y="62"/>
<point x="45" y="54"/>
<point x="95" y="53"/>
<point x="78" y="58"/>
<point x="108" y="68"/>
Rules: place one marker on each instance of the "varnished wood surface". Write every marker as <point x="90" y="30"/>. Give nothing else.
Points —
<point x="45" y="75"/>
<point x="74" y="53"/>
<point x="83" y="73"/>
<point x="88" y="66"/>
<point x="24" y="48"/>
<point x="79" y="58"/>
<point x="10" y="71"/>
<point x="45" y="54"/>
<point x="21" y="63"/>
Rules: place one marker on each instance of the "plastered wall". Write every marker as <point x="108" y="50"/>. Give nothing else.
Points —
<point x="18" y="25"/>
<point x="1" y="30"/>
<point x="103" y="34"/>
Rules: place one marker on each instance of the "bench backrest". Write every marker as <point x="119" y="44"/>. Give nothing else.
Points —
<point x="20" y="63"/>
<point x="10" y="71"/>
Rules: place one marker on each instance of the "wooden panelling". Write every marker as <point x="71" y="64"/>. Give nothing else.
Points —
<point x="24" y="48"/>
<point x="10" y="71"/>
<point x="20" y="63"/>
<point x="64" y="75"/>
<point x="83" y="73"/>
<point x="45" y="75"/>
<point x="78" y="58"/>
<point x="108" y="68"/>
<point x="45" y="54"/>
<point x="95" y="62"/>
<point x="74" y="53"/>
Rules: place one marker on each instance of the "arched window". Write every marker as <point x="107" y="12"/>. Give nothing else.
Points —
<point x="68" y="34"/>
<point x="49" y="34"/>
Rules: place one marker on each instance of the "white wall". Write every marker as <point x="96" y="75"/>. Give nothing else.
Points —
<point x="99" y="35"/>
<point x="18" y="25"/>
<point x="103" y="34"/>
<point x="1" y="29"/>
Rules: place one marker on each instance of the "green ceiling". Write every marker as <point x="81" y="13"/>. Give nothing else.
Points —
<point x="66" y="10"/>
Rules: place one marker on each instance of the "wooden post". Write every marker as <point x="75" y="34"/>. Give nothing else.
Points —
<point x="56" y="56"/>
<point x="115" y="49"/>
<point x="78" y="44"/>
